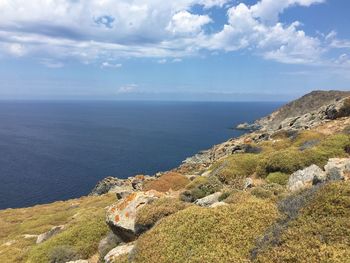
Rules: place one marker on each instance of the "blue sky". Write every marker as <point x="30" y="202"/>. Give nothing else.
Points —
<point x="173" y="50"/>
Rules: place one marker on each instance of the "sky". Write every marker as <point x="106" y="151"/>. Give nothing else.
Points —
<point x="224" y="50"/>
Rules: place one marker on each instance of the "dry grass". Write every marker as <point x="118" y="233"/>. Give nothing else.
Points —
<point x="222" y="234"/>
<point x="15" y="223"/>
<point x="171" y="180"/>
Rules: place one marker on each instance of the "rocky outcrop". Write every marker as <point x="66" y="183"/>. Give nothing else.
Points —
<point x="121" y="216"/>
<point x="52" y="232"/>
<point x="107" y="243"/>
<point x="208" y="200"/>
<point x="248" y="127"/>
<point x="117" y="252"/>
<point x="120" y="187"/>
<point x="338" y="169"/>
<point x="305" y="178"/>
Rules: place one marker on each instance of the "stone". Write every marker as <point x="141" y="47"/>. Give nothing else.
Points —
<point x="338" y="169"/>
<point x="117" y="252"/>
<point x="107" y="243"/>
<point x="217" y="204"/>
<point x="110" y="183"/>
<point x="208" y="200"/>
<point x="306" y="177"/>
<point x="121" y="216"/>
<point x="52" y="232"/>
<point x="248" y="183"/>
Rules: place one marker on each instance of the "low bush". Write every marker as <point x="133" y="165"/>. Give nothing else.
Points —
<point x="149" y="214"/>
<point x="278" y="178"/>
<point x="63" y="254"/>
<point x="234" y="169"/>
<point x="320" y="232"/>
<point x="83" y="237"/>
<point x="262" y="193"/>
<point x="167" y="181"/>
<point x="224" y="234"/>
<point x="201" y="187"/>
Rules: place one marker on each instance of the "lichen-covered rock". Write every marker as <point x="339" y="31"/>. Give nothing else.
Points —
<point x="306" y="177"/>
<point x="117" y="252"/>
<point x="45" y="236"/>
<point x="338" y="169"/>
<point x="208" y="200"/>
<point x="121" y="216"/>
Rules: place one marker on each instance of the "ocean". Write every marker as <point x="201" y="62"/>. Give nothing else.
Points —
<point x="53" y="150"/>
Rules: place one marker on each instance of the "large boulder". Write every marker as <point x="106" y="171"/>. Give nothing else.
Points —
<point x="306" y="177"/>
<point x="52" y="232"/>
<point x="121" y="216"/>
<point x="117" y="252"/>
<point x="338" y="169"/>
<point x="208" y="200"/>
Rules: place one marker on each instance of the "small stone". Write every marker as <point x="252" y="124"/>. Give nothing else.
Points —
<point x="248" y="183"/>
<point x="52" y="232"/>
<point x="118" y="251"/>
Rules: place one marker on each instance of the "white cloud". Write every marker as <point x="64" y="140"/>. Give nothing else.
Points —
<point x="185" y="22"/>
<point x="107" y="64"/>
<point x="130" y="88"/>
<point x="176" y="60"/>
<point x="108" y="30"/>
<point x="162" y="61"/>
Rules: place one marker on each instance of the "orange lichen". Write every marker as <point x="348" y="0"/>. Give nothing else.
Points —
<point x="116" y="218"/>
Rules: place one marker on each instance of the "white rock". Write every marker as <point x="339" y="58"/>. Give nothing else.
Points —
<point x="79" y="261"/>
<point x="338" y="169"/>
<point x="218" y="204"/>
<point x="304" y="178"/>
<point x="208" y="200"/>
<point x="118" y="251"/>
<point x="45" y="236"/>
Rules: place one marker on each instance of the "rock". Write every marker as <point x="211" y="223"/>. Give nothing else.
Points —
<point x="29" y="236"/>
<point x="52" y="232"/>
<point x="338" y="169"/>
<point x="121" y="216"/>
<point x="248" y="127"/>
<point x="208" y="200"/>
<point x="122" y="194"/>
<point x="218" y="204"/>
<point x="111" y="184"/>
<point x="248" y="183"/>
<point x="118" y="251"/>
<point x="306" y="177"/>
<point x="107" y="243"/>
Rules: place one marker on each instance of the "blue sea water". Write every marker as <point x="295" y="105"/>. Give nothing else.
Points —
<point x="59" y="150"/>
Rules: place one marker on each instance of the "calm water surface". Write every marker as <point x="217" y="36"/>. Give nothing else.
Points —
<point x="58" y="150"/>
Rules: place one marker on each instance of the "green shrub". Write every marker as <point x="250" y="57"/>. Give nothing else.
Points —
<point x="224" y="234"/>
<point x="234" y="169"/>
<point x="63" y="254"/>
<point x="278" y="178"/>
<point x="149" y="214"/>
<point x="262" y="193"/>
<point x="201" y="187"/>
<point x="83" y="236"/>
<point x="320" y="233"/>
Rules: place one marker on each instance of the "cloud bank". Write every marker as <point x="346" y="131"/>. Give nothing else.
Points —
<point x="95" y="31"/>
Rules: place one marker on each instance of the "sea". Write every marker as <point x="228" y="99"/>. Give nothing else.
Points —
<point x="57" y="150"/>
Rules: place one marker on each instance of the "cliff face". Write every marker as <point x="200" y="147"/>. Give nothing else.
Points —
<point x="310" y="102"/>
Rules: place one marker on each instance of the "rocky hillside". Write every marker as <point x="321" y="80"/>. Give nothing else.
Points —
<point x="278" y="194"/>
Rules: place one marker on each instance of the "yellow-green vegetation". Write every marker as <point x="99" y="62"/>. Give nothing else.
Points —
<point x="149" y="214"/>
<point x="222" y="234"/>
<point x="277" y="178"/>
<point x="292" y="159"/>
<point x="122" y="259"/>
<point x="170" y="180"/>
<point x="82" y="217"/>
<point x="321" y="232"/>
<point x="201" y="187"/>
<point x="233" y="169"/>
